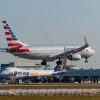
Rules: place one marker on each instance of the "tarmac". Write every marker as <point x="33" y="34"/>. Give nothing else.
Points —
<point x="80" y="85"/>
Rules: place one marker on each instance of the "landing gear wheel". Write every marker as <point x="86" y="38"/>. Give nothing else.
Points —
<point x="44" y="62"/>
<point x="86" y="61"/>
<point x="59" y="62"/>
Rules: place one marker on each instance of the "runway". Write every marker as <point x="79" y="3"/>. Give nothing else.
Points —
<point x="50" y="89"/>
<point x="50" y="92"/>
<point x="50" y="86"/>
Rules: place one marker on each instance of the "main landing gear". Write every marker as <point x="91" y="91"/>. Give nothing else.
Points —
<point x="86" y="61"/>
<point x="44" y="62"/>
<point x="59" y="62"/>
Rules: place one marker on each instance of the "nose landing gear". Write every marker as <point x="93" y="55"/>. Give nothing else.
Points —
<point x="86" y="61"/>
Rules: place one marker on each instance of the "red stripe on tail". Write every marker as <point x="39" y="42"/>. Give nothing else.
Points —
<point x="9" y="39"/>
<point x="14" y="44"/>
<point x="7" y="33"/>
<point x="4" y="21"/>
<point x="5" y="27"/>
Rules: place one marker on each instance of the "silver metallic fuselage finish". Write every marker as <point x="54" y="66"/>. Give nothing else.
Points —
<point x="47" y="52"/>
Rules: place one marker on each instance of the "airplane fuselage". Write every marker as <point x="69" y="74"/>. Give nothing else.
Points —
<point x="46" y="52"/>
<point x="19" y="72"/>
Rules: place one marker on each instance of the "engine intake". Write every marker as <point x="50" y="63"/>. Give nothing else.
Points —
<point x="74" y="57"/>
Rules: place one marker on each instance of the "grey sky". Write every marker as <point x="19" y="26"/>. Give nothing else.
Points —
<point x="52" y="22"/>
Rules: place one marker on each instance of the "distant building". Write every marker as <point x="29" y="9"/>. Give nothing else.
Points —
<point x="27" y="65"/>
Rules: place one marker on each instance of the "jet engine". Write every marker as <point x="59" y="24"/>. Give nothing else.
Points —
<point x="74" y="57"/>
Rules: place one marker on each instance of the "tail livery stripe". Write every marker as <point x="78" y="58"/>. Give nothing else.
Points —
<point x="11" y="38"/>
<point x="57" y="68"/>
<point x="13" y="35"/>
<point x="14" y="44"/>
<point x="10" y="33"/>
<point x="7" y="33"/>
<point x="5" y="27"/>
<point x="4" y="22"/>
<point x="14" y="38"/>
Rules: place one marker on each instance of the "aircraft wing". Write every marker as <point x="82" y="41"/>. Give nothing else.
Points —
<point x="67" y="53"/>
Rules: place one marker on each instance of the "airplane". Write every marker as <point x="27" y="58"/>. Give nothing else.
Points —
<point x="14" y="73"/>
<point x="44" y="53"/>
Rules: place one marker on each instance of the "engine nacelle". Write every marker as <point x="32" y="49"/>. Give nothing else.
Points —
<point x="74" y="57"/>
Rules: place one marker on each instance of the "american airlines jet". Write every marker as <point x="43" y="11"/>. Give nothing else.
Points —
<point x="44" y="53"/>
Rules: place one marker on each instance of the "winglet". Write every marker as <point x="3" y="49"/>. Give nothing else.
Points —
<point x="86" y="43"/>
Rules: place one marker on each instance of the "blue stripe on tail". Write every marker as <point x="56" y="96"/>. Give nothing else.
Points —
<point x="11" y="33"/>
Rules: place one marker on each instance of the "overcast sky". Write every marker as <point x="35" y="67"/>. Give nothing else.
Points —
<point x="38" y="22"/>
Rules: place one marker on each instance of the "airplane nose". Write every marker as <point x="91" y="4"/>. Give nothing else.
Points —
<point x="93" y="51"/>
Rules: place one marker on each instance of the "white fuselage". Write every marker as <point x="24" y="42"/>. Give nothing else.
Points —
<point x="19" y="72"/>
<point x="47" y="52"/>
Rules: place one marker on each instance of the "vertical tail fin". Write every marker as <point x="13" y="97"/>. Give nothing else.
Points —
<point x="57" y="68"/>
<point x="12" y="40"/>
